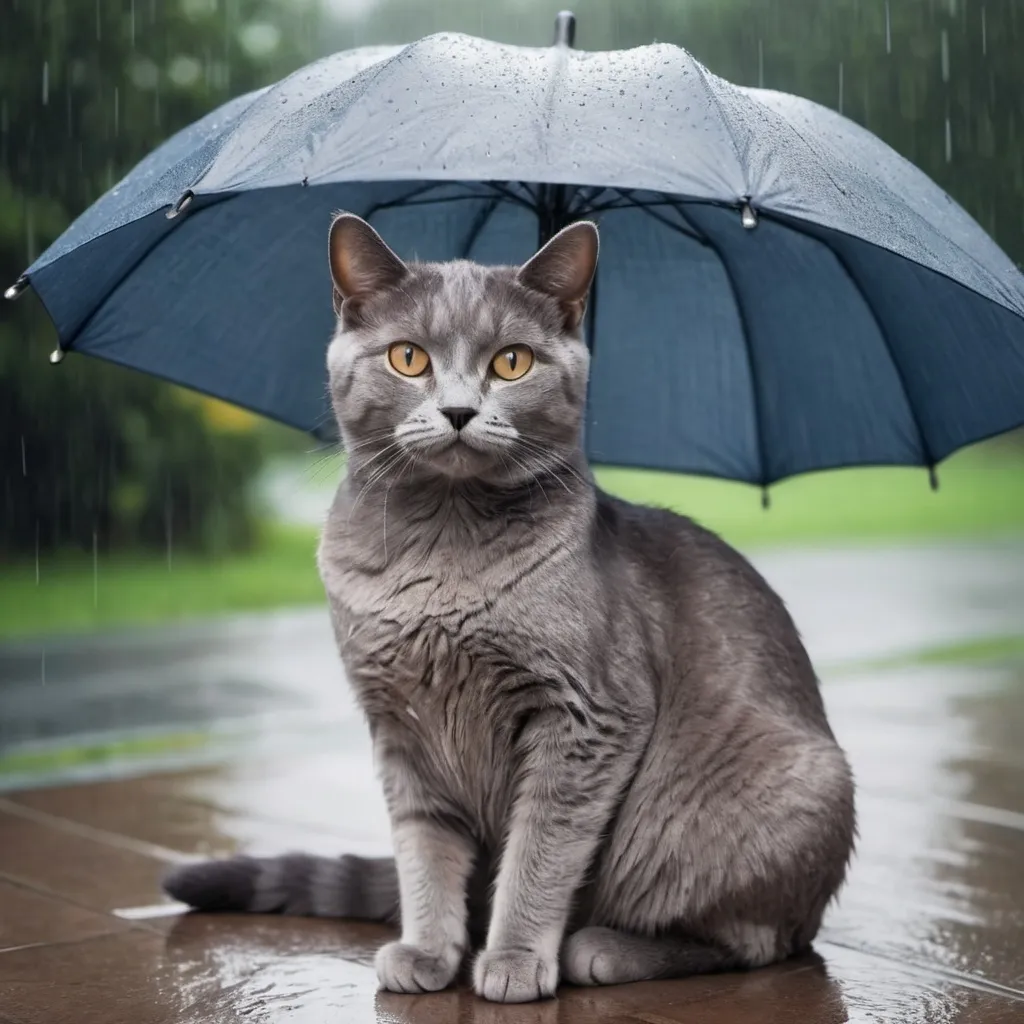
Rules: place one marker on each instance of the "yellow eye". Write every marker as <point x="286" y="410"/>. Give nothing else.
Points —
<point x="408" y="359"/>
<point x="513" y="362"/>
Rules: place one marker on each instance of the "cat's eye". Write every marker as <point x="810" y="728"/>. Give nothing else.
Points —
<point x="408" y="359"/>
<point x="513" y="362"/>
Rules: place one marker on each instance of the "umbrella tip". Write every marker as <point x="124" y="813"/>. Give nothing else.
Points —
<point x="183" y="203"/>
<point x="565" y="28"/>
<point x="16" y="289"/>
<point x="57" y="356"/>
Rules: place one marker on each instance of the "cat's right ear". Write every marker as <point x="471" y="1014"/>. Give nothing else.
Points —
<point x="361" y="262"/>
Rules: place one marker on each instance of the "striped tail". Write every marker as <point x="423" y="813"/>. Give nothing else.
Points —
<point x="361" y="888"/>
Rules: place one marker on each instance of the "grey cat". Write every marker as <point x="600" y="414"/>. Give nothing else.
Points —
<point x="602" y="743"/>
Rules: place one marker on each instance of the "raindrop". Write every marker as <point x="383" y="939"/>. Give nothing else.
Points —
<point x="945" y="55"/>
<point x="169" y="527"/>
<point x="46" y="82"/>
<point x="117" y="110"/>
<point x="984" y="34"/>
<point x="949" y="140"/>
<point x="95" y="570"/>
<point x="760" y="63"/>
<point x="888" y="29"/>
<point x="24" y="461"/>
<point x="840" y="87"/>
<point x="42" y="668"/>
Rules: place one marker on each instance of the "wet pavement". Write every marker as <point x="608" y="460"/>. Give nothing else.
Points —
<point x="929" y="928"/>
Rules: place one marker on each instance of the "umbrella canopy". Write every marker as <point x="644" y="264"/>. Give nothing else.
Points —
<point x="778" y="291"/>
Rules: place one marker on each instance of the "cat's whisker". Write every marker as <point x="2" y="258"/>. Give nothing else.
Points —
<point x="409" y="461"/>
<point x="556" y="459"/>
<point x="373" y="438"/>
<point x="364" y="466"/>
<point x="550" y="460"/>
<point x="316" y="470"/>
<point x="531" y="477"/>
<point x="378" y="475"/>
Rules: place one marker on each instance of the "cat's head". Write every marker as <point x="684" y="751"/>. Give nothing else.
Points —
<point x="457" y="369"/>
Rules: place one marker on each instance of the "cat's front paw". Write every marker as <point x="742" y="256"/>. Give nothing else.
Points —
<point x="514" y="976"/>
<point x="404" y="968"/>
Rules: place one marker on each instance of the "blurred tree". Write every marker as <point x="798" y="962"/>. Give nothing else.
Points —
<point x="91" y="454"/>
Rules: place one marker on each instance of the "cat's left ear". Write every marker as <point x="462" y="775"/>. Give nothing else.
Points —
<point x="361" y="262"/>
<point x="564" y="269"/>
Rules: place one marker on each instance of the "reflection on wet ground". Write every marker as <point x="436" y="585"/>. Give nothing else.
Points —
<point x="929" y="928"/>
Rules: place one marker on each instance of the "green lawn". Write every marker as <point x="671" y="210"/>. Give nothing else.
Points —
<point x="981" y="494"/>
<point x="133" y="589"/>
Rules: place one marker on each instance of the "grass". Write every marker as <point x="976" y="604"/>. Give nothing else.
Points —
<point x="130" y="589"/>
<point x="981" y="494"/>
<point x="988" y="650"/>
<point x="66" y="758"/>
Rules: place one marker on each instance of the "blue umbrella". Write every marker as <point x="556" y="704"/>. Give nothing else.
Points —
<point x="778" y="291"/>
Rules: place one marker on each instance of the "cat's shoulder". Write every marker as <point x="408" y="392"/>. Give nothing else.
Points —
<point x="618" y="519"/>
<point x="662" y="538"/>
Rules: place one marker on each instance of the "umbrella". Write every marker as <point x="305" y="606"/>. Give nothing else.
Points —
<point x="778" y="292"/>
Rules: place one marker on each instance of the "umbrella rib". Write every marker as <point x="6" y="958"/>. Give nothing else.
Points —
<point x="926" y="452"/>
<point x="649" y="208"/>
<point x="627" y="202"/>
<point x="502" y="189"/>
<point x="211" y="200"/>
<point x="580" y="204"/>
<point x="755" y="394"/>
<point x="702" y="74"/>
<point x="412" y="199"/>
<point x="479" y="223"/>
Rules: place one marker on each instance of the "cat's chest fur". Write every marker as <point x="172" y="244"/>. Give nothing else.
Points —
<point x="447" y="646"/>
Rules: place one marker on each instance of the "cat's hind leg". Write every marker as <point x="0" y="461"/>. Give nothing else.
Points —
<point x="607" y="956"/>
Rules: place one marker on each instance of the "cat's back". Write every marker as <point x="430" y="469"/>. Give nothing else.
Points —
<point x="726" y="632"/>
<point x="690" y="561"/>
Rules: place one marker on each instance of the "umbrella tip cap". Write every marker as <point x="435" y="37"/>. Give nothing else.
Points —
<point x="183" y="203"/>
<point x="565" y="28"/>
<point x="16" y="289"/>
<point x="57" y="356"/>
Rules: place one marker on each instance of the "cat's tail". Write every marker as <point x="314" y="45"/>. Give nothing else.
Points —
<point x="363" y="888"/>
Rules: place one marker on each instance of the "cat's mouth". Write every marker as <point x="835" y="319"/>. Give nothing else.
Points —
<point x="460" y="456"/>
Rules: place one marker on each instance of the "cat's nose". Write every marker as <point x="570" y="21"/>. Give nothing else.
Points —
<point x="459" y="416"/>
